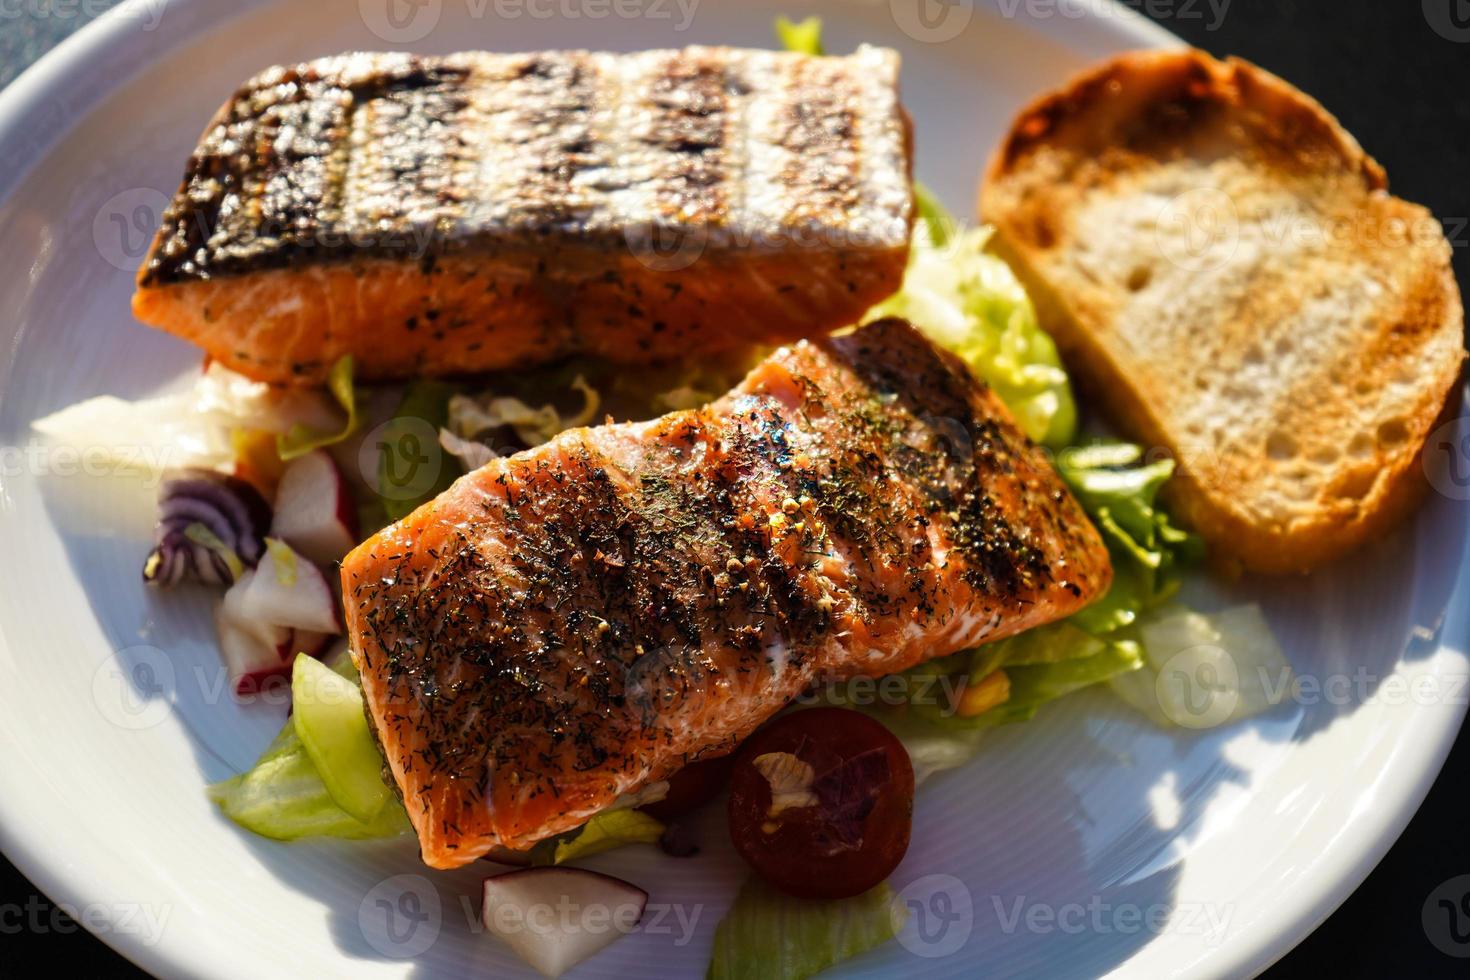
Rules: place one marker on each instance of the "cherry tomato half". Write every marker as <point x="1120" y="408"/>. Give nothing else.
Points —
<point x="821" y="802"/>
<point x="692" y="787"/>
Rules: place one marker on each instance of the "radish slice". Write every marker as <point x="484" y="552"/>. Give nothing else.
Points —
<point x="554" y="918"/>
<point x="314" y="512"/>
<point x="251" y="658"/>
<point x="288" y="590"/>
<point x="252" y="650"/>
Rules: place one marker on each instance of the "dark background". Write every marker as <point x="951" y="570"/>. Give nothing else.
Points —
<point x="1397" y="73"/>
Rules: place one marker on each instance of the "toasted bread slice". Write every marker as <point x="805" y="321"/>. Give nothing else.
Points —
<point x="1222" y="266"/>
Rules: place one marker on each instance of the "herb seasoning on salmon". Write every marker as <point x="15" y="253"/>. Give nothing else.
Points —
<point x="566" y="625"/>
<point x="456" y="214"/>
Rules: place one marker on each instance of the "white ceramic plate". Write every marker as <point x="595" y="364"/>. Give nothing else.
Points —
<point x="1083" y="843"/>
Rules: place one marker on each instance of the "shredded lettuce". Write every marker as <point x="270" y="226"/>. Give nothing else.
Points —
<point x="301" y="439"/>
<point x="969" y="301"/>
<point x="769" y="935"/>
<point x="801" y="37"/>
<point x="1036" y="684"/>
<point x="475" y="418"/>
<point x="200" y="426"/>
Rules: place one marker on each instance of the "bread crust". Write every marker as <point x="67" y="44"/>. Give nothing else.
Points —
<point x="1294" y="375"/>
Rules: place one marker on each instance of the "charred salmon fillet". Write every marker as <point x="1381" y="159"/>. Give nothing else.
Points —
<point x="566" y="625"/>
<point x="447" y="215"/>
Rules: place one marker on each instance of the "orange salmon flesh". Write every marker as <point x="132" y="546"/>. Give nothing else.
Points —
<point x="567" y="625"/>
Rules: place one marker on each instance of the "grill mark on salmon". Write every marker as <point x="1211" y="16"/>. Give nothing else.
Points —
<point x="819" y="135"/>
<point x="475" y="211"/>
<point x="566" y="625"/>
<point x="688" y="124"/>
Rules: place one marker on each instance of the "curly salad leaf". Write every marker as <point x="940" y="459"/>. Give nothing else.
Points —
<point x="969" y="301"/>
<point x="1119" y="490"/>
<point x="301" y="439"/>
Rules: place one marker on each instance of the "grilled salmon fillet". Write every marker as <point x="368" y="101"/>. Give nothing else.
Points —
<point x="446" y="215"/>
<point x="566" y="625"/>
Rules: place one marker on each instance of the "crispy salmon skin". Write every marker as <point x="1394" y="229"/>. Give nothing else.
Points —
<point x="563" y="626"/>
<point x="471" y="212"/>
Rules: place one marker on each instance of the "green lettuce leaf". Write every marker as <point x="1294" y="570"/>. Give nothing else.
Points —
<point x="802" y="37"/>
<point x="1036" y="684"/>
<point x="769" y="935"/>
<point x="605" y="831"/>
<point x="935" y="221"/>
<point x="283" y="797"/>
<point x="300" y="439"/>
<point x="1120" y="492"/>
<point x="1040" y="665"/>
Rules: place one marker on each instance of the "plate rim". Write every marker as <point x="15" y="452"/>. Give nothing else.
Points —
<point x="1322" y="889"/>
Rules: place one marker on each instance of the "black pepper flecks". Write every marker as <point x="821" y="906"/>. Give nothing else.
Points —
<point x="587" y="615"/>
